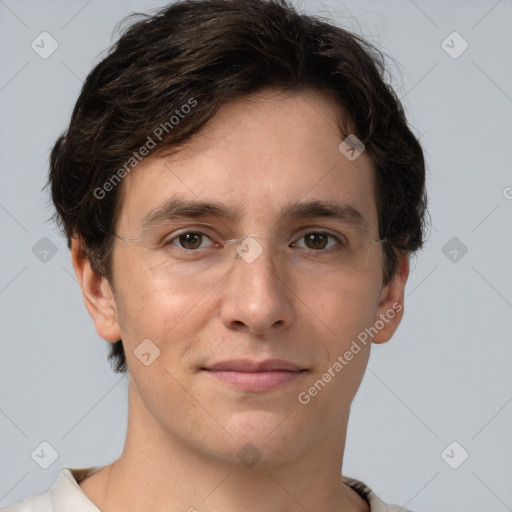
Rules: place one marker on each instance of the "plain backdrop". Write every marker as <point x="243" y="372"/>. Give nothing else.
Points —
<point x="439" y="391"/>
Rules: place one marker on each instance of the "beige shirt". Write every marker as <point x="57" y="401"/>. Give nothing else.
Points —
<point x="65" y="495"/>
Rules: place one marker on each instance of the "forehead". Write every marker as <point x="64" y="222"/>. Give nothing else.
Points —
<point x="256" y="156"/>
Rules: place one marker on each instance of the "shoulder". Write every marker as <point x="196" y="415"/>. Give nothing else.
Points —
<point x="40" y="503"/>
<point x="376" y="503"/>
<point x="64" y="495"/>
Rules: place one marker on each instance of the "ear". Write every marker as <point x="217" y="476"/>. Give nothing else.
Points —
<point x="391" y="303"/>
<point x="98" y="295"/>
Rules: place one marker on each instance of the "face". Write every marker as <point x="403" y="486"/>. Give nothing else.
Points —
<point x="303" y="299"/>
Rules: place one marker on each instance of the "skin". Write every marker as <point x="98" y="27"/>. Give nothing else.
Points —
<point x="185" y="427"/>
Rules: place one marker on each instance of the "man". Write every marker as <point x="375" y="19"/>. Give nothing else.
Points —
<point x="241" y="194"/>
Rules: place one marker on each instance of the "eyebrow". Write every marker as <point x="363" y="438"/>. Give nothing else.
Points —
<point x="177" y="208"/>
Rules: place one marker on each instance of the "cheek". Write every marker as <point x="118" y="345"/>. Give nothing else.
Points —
<point x="152" y="311"/>
<point x="341" y="309"/>
<point x="150" y="302"/>
<point x="347" y="311"/>
<point x="170" y="316"/>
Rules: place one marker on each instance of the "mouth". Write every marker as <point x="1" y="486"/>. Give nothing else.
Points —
<point x="256" y="376"/>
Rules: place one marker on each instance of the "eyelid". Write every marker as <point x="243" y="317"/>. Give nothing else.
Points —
<point x="168" y="240"/>
<point x="340" y="239"/>
<point x="302" y="233"/>
<point x="315" y="229"/>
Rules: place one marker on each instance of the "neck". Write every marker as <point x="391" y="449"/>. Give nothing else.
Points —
<point x="160" y="472"/>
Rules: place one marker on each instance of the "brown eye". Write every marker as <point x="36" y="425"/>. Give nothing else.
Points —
<point x="316" y="240"/>
<point x="189" y="240"/>
<point x="319" y="241"/>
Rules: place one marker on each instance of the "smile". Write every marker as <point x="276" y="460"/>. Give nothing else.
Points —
<point x="256" y="376"/>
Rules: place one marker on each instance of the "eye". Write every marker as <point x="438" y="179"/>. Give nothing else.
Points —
<point x="188" y="240"/>
<point x="319" y="240"/>
<point x="315" y="241"/>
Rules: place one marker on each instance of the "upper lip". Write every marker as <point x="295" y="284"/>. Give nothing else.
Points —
<point x="247" y="365"/>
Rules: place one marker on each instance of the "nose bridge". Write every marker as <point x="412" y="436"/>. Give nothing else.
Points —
<point x="252" y="246"/>
<point x="255" y="294"/>
<point x="254" y="257"/>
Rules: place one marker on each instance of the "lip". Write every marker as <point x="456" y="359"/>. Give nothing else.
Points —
<point x="256" y="376"/>
<point x="247" y="365"/>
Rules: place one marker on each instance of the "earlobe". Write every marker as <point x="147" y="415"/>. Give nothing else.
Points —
<point x="97" y="294"/>
<point x="391" y="304"/>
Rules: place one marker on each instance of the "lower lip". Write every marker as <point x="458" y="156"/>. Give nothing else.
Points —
<point x="256" y="381"/>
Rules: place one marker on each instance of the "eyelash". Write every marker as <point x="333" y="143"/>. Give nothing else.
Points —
<point x="309" y="252"/>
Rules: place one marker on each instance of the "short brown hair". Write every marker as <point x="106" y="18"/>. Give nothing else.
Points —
<point x="213" y="51"/>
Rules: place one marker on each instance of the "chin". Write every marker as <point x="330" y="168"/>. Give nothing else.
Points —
<point x="267" y="436"/>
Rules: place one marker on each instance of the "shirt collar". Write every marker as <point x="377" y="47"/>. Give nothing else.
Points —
<point x="66" y="494"/>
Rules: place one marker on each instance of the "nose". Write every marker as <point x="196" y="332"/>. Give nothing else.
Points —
<point x="257" y="293"/>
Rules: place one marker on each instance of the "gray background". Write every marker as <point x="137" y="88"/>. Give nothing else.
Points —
<point x="446" y="374"/>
